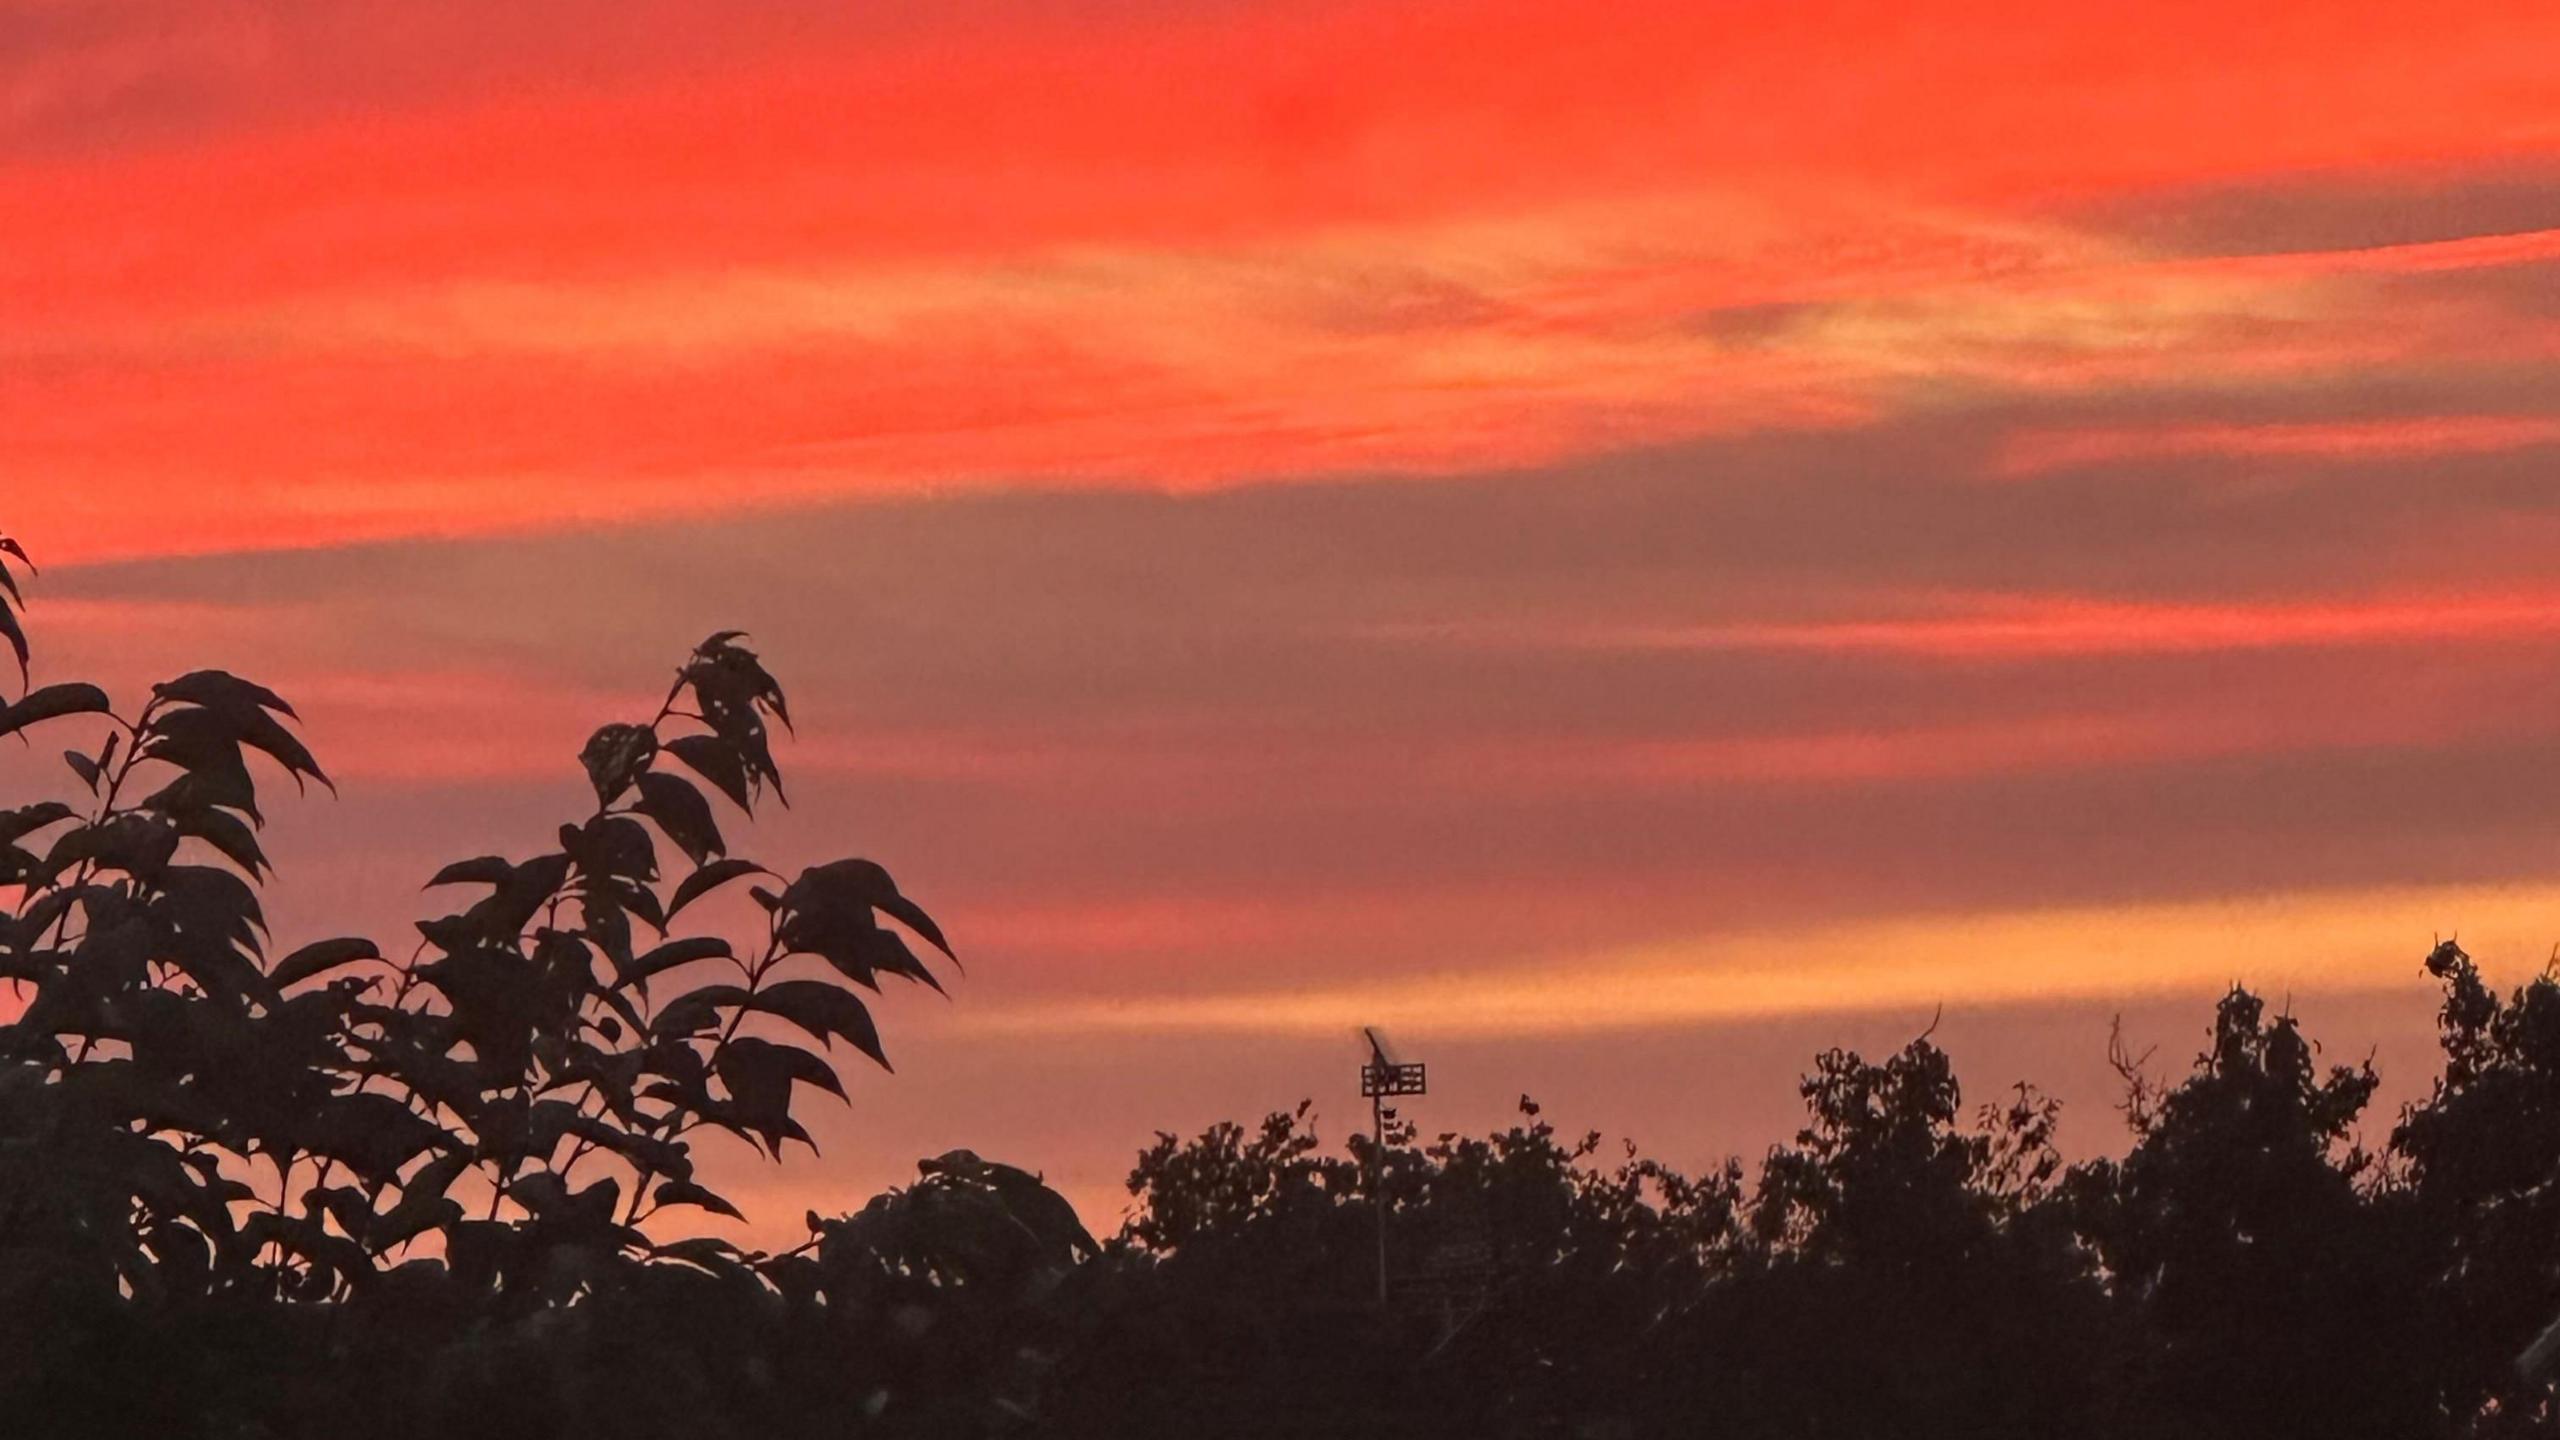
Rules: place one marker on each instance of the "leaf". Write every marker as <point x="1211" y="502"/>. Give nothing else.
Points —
<point x="139" y="845"/>
<point x="614" y="756"/>
<point x="481" y="870"/>
<point x="709" y="1254"/>
<point x="320" y="957"/>
<point x="52" y="703"/>
<point x="883" y="950"/>
<point x="870" y="883"/>
<point x="825" y="1012"/>
<point x="614" y="845"/>
<point x="17" y="639"/>
<point x="221" y="782"/>
<point x="225" y="833"/>
<point x="221" y="690"/>
<point x="695" y="1011"/>
<point x="418" y="1212"/>
<point x="732" y="692"/>
<point x="374" y="1135"/>
<point x="93" y="768"/>
<point x="685" y="1192"/>
<point x="708" y="878"/>
<point x="243" y="709"/>
<point x="682" y="813"/>
<point x="205" y="894"/>
<point x="679" y="952"/>
<point x="790" y="1062"/>
<point x="17" y="824"/>
<point x="715" y="760"/>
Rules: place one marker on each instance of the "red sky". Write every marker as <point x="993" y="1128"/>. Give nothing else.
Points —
<point x="1630" y="545"/>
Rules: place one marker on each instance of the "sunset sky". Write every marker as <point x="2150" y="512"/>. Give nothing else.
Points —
<point x="1626" y="544"/>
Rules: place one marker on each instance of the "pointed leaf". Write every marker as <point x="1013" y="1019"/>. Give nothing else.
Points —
<point x="18" y="824"/>
<point x="680" y="952"/>
<point x="221" y="690"/>
<point x="226" y="833"/>
<point x="16" y="637"/>
<point x="715" y="760"/>
<point x="685" y="1192"/>
<point x="482" y="870"/>
<point x="614" y="756"/>
<point x="52" y="703"/>
<point x="790" y="1062"/>
<point x="682" y="813"/>
<point x="708" y="878"/>
<point x="320" y="957"/>
<point x="825" y="1011"/>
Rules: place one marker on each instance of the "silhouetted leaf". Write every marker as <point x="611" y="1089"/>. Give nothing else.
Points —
<point x="216" y="781"/>
<point x="26" y="820"/>
<point x="16" y="637"/>
<point x="825" y="1012"/>
<point x="320" y="957"/>
<point x="52" y="703"/>
<point x="614" y="756"/>
<point x="716" y="761"/>
<point x="226" y="833"/>
<point x="611" y="845"/>
<point x="423" y="1206"/>
<point x="678" y="952"/>
<point x="696" y="1010"/>
<point x="869" y="883"/>
<point x="373" y="1135"/>
<point x="733" y="692"/>
<point x="84" y="767"/>
<point x="705" y="1252"/>
<point x="682" y="813"/>
<point x="685" y="1192"/>
<point x="214" y="900"/>
<point x="137" y="844"/>
<point x="709" y="877"/>
<point x="745" y="1053"/>
<point x="242" y="711"/>
<point x="482" y="870"/>
<point x="221" y="690"/>
<point x="882" y="950"/>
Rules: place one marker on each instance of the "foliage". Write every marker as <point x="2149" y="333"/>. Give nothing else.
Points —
<point x="475" y="1146"/>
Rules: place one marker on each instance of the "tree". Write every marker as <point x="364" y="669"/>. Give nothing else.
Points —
<point x="195" y="1132"/>
<point x="2267" y="1281"/>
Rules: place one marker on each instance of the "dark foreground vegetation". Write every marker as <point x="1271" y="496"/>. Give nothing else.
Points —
<point x="444" y="1190"/>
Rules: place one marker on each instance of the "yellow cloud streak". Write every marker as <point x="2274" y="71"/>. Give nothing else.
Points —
<point x="2330" y="942"/>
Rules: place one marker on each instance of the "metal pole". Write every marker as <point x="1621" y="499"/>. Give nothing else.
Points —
<point x="1378" y="1185"/>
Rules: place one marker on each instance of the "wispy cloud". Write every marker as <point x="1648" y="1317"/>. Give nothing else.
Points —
<point x="2343" y="942"/>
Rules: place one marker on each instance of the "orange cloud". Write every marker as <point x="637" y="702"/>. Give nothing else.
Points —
<point x="2058" y="627"/>
<point x="2036" y="452"/>
<point x="1161" y="250"/>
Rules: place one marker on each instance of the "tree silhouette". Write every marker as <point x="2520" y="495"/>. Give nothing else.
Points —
<point x="197" y="1136"/>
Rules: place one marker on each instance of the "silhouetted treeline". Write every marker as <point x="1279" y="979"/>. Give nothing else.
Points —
<point x="1909" y="1266"/>
<point x="439" y="1189"/>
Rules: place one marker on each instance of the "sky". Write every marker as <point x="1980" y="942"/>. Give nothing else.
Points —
<point x="1627" y="545"/>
